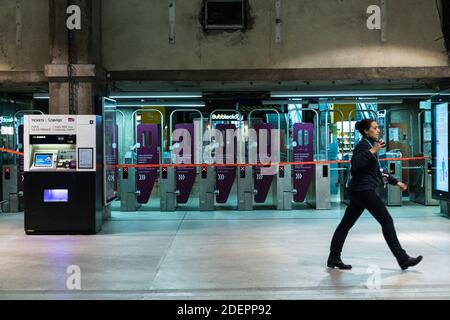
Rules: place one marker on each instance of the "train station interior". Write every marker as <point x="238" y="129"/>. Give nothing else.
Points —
<point x="204" y="149"/>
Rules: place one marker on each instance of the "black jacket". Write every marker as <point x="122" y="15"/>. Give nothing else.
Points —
<point x="365" y="170"/>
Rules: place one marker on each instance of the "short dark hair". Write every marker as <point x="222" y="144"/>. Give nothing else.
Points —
<point x="364" y="124"/>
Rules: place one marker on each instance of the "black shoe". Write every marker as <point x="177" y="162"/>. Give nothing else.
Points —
<point x="410" y="262"/>
<point x="337" y="263"/>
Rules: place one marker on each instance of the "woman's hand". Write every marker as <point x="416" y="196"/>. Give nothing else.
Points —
<point x="377" y="146"/>
<point x="402" y="186"/>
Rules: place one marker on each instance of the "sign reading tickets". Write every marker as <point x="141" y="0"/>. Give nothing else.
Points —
<point x="54" y="125"/>
<point x="303" y="151"/>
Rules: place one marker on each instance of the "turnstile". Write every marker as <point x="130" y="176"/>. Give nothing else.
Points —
<point x="445" y="208"/>
<point x="421" y="175"/>
<point x="311" y="183"/>
<point x="169" y="192"/>
<point x="421" y="184"/>
<point x="283" y="189"/>
<point x="319" y="193"/>
<point x="391" y="195"/>
<point x="207" y="188"/>
<point x="11" y="194"/>
<point x="128" y="192"/>
<point x="255" y="182"/>
<point x="177" y="180"/>
<point x="245" y="190"/>
<point x="137" y="183"/>
<point x="344" y="179"/>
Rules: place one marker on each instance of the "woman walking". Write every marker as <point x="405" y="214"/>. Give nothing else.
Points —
<point x="367" y="174"/>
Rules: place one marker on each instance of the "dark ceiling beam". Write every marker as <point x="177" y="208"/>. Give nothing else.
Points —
<point x="307" y="74"/>
<point x="22" y="77"/>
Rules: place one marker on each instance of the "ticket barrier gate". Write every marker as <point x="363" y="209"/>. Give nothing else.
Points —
<point x="128" y="192"/>
<point x="169" y="192"/>
<point x="391" y="195"/>
<point x="207" y="188"/>
<point x="344" y="179"/>
<point x="138" y="183"/>
<point x="444" y="208"/>
<point x="245" y="189"/>
<point x="283" y="189"/>
<point x="177" y="182"/>
<point x="13" y="174"/>
<point x="319" y="194"/>
<point x="217" y="182"/>
<point x="254" y="183"/>
<point x="311" y="182"/>
<point x="11" y="193"/>
<point x="421" y="184"/>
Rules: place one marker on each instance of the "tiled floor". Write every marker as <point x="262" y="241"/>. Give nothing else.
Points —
<point x="262" y="254"/>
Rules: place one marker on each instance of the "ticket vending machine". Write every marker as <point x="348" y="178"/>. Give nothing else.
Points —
<point x="63" y="185"/>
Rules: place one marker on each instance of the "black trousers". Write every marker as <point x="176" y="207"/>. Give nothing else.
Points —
<point x="360" y="200"/>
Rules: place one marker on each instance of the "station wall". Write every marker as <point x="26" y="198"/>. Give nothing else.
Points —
<point x="315" y="34"/>
<point x="32" y="52"/>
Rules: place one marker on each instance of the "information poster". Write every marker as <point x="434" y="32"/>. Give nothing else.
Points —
<point x="441" y="152"/>
<point x="303" y="151"/>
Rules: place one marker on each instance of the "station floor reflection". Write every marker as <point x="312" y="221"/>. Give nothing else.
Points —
<point x="261" y="254"/>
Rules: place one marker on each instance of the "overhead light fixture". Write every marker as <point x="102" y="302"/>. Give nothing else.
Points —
<point x="155" y="95"/>
<point x="353" y="101"/>
<point x="284" y="102"/>
<point x="180" y="104"/>
<point x="332" y="101"/>
<point x="359" y="93"/>
<point x="41" y="96"/>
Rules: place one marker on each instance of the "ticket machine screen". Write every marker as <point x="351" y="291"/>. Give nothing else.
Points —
<point x="43" y="160"/>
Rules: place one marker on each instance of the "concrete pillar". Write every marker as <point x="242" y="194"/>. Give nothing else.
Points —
<point x="75" y="73"/>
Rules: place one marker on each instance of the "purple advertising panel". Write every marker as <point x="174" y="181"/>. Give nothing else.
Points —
<point x="147" y="153"/>
<point x="225" y="175"/>
<point x="21" y="162"/>
<point x="303" y="151"/>
<point x="262" y="182"/>
<point x="185" y="175"/>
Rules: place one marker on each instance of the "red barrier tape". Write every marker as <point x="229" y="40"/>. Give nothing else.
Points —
<point x="11" y="151"/>
<point x="234" y="164"/>
<point x="253" y="164"/>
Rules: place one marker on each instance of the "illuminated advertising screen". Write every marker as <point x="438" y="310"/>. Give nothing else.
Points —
<point x="440" y="151"/>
